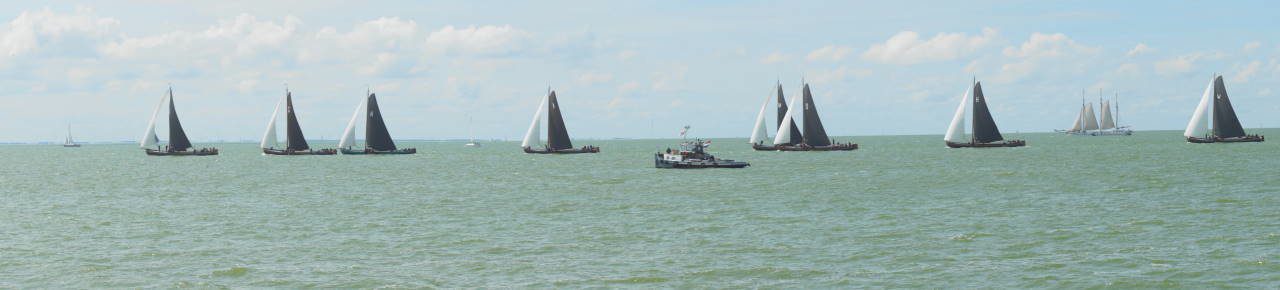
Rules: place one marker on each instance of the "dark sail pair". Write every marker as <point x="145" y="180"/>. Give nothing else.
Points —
<point x="985" y="133"/>
<point x="179" y="144"/>
<point x="813" y="137"/>
<point x="1226" y="125"/>
<point x="377" y="138"/>
<point x="295" y="142"/>
<point x="558" y="141"/>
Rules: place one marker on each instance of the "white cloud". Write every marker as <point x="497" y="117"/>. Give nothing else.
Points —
<point x="1244" y="74"/>
<point x="1047" y="45"/>
<point x="245" y="35"/>
<point x="831" y="53"/>
<point x="839" y="74"/>
<point x="483" y="40"/>
<point x="1128" y="69"/>
<point x="1139" y="49"/>
<point x="776" y="57"/>
<point x="1179" y="64"/>
<point x="628" y="87"/>
<point x="907" y="48"/>
<point x="590" y="78"/>
<point x="626" y="55"/>
<point x="1061" y="53"/>
<point x="1250" y="47"/>
<point x="670" y="80"/>
<point x="32" y="30"/>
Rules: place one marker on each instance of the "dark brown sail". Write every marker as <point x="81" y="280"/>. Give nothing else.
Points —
<point x="1225" y="122"/>
<point x="557" y="134"/>
<point x="292" y="129"/>
<point x="796" y="136"/>
<point x="375" y="131"/>
<point x="984" y="127"/>
<point x="814" y="134"/>
<point x="177" y="137"/>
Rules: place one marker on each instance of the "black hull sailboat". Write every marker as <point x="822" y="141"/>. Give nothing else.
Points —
<point x="558" y="141"/>
<point x="985" y="134"/>
<point x="1226" y="125"/>
<point x="790" y="137"/>
<point x="377" y="139"/>
<point x="295" y="142"/>
<point x="179" y="144"/>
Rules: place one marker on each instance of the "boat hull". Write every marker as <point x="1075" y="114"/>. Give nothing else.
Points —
<point x="376" y="152"/>
<point x="658" y="162"/>
<point x="998" y="144"/>
<point x="1099" y="133"/>
<point x="801" y="147"/>
<point x="588" y="149"/>
<point x="1215" y="139"/>
<point x="71" y="145"/>
<point x="272" y="151"/>
<point x="198" y="152"/>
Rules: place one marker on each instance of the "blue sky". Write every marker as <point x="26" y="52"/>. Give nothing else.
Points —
<point x="622" y="69"/>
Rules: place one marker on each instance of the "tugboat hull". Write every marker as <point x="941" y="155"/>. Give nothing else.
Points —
<point x="200" y="152"/>
<point x="1215" y="139"/>
<point x="564" y="151"/>
<point x="658" y="162"/>
<point x="1008" y="143"/>
<point x="376" y="152"/>
<point x="270" y="151"/>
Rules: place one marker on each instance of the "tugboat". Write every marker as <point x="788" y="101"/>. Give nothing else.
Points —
<point x="693" y="155"/>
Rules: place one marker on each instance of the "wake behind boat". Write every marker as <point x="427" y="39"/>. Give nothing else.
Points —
<point x="789" y="137"/>
<point x="985" y="133"/>
<point x="1226" y="125"/>
<point x="295" y="142"/>
<point x="557" y="135"/>
<point x="178" y="145"/>
<point x="376" y="137"/>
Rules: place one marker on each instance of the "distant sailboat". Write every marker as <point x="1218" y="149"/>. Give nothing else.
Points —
<point x="1087" y="125"/>
<point x="70" y="143"/>
<point x="812" y="137"/>
<point x="1226" y="125"/>
<point x="760" y="135"/>
<point x="557" y="135"/>
<point x="471" y="132"/>
<point x="178" y="145"/>
<point x="376" y="137"/>
<point x="295" y="142"/>
<point x="985" y="134"/>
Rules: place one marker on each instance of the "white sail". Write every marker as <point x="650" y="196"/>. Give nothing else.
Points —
<point x="760" y="132"/>
<point x="349" y="135"/>
<point x="149" y="138"/>
<point x="69" y="140"/>
<point x="1079" y="122"/>
<point x="1199" y="124"/>
<point x="784" y="132"/>
<point x="1108" y="122"/>
<point x="269" y="138"/>
<point x="1090" y="120"/>
<point x="956" y="129"/>
<point x="531" y="138"/>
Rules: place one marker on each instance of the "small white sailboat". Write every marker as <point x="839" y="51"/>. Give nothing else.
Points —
<point x="70" y="143"/>
<point x="471" y="132"/>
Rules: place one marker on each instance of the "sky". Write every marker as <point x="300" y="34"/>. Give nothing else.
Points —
<point x="622" y="69"/>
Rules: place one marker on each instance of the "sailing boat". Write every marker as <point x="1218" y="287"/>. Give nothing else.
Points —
<point x="1226" y="126"/>
<point x="1087" y="125"/>
<point x="470" y="131"/>
<point x="813" y="137"/>
<point x="985" y="134"/>
<point x="178" y="145"/>
<point x="376" y="137"/>
<point x="295" y="143"/>
<point x="557" y="135"/>
<point x="70" y="143"/>
<point x="760" y="133"/>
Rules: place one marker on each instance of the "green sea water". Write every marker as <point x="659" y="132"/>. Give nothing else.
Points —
<point x="1146" y="211"/>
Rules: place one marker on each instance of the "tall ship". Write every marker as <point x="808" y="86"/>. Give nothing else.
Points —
<point x="178" y="144"/>
<point x="295" y="142"/>
<point x="377" y="140"/>
<point x="70" y="143"/>
<point x="1086" y="124"/>
<point x="984" y="133"/>
<point x="1226" y="125"/>
<point x="789" y="137"/>
<point x="557" y="135"/>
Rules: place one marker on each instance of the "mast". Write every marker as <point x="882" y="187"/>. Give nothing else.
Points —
<point x="814" y="133"/>
<point x="984" y="126"/>
<point x="557" y="134"/>
<point x="376" y="135"/>
<point x="293" y="131"/>
<point x="177" y="137"/>
<point x="794" y="130"/>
